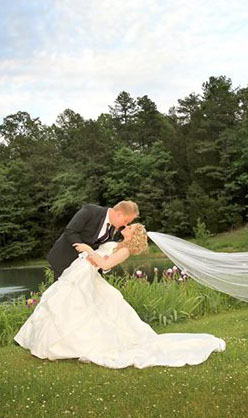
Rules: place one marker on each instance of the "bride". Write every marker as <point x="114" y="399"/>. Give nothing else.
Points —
<point x="82" y="316"/>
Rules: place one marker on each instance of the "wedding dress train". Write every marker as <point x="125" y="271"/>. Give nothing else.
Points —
<point x="82" y="316"/>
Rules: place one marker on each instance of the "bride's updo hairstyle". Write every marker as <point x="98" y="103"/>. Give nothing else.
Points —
<point x="138" y="243"/>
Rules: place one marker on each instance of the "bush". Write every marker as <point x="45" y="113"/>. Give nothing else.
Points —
<point x="175" y="218"/>
<point x="168" y="301"/>
<point x="14" y="313"/>
<point x="202" y="234"/>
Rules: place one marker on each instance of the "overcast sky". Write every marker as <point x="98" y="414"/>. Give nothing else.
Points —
<point x="79" y="54"/>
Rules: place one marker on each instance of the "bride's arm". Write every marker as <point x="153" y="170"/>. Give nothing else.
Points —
<point x="106" y="264"/>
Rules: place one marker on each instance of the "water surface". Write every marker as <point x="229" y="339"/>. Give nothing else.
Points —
<point x="17" y="281"/>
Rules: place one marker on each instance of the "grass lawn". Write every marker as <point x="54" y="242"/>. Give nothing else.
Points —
<point x="30" y="387"/>
<point x="231" y="241"/>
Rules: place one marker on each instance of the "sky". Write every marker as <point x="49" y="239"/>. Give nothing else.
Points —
<point x="80" y="54"/>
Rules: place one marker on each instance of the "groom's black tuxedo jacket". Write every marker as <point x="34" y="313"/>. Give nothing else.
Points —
<point x="84" y="227"/>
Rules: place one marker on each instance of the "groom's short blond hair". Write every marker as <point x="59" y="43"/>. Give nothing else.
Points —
<point x="127" y="207"/>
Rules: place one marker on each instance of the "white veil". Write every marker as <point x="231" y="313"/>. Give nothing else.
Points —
<point x="226" y="272"/>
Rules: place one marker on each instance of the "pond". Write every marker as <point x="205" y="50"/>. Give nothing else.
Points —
<point x="17" y="281"/>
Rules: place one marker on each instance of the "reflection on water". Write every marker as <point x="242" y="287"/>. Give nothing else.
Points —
<point x="17" y="281"/>
<point x="12" y="289"/>
<point x="23" y="280"/>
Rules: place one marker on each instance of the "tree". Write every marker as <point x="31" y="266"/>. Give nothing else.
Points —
<point x="20" y="132"/>
<point x="68" y="132"/>
<point x="150" y="125"/>
<point x="31" y="160"/>
<point x="236" y="185"/>
<point x="123" y="114"/>
<point x="144" y="178"/>
<point x="17" y="229"/>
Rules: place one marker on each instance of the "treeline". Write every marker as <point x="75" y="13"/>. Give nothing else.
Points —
<point x="190" y="163"/>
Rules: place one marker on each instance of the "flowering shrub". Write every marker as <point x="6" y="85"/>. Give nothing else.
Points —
<point x="139" y="274"/>
<point x="166" y="301"/>
<point x="35" y="296"/>
<point x="174" y="273"/>
<point x="31" y="302"/>
<point x="15" y="312"/>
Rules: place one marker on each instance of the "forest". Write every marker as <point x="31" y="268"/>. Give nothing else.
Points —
<point x="189" y="164"/>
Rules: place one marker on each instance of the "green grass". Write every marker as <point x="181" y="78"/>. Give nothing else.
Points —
<point x="232" y="241"/>
<point x="217" y="388"/>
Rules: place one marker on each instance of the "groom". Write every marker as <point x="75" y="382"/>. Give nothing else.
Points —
<point x="92" y="225"/>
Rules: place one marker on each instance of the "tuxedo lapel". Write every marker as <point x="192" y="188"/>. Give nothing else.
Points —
<point x="99" y="227"/>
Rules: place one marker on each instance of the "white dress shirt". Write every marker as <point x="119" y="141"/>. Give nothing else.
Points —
<point x="104" y="226"/>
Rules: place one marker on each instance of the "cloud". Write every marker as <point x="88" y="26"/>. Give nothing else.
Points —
<point x="77" y="54"/>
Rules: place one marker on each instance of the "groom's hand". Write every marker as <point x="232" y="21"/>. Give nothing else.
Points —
<point x="78" y="247"/>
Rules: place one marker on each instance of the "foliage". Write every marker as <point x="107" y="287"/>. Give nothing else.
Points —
<point x="14" y="313"/>
<point x="166" y="301"/>
<point x="202" y="234"/>
<point x="189" y="164"/>
<point x="175" y="217"/>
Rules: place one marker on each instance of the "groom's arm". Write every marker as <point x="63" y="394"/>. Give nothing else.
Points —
<point x="75" y="226"/>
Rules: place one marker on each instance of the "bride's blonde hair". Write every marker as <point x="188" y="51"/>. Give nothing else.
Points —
<point x="138" y="243"/>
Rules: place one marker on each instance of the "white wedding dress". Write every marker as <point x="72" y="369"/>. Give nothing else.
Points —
<point x="82" y="316"/>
